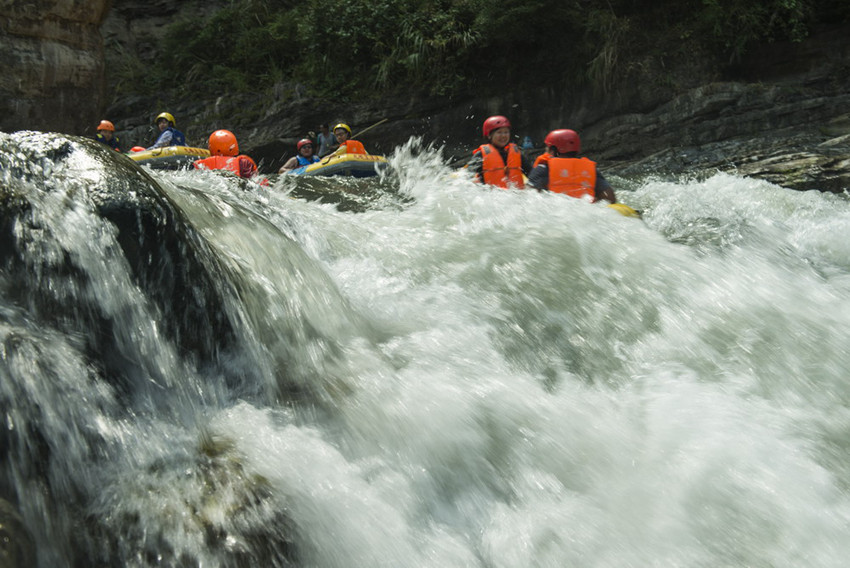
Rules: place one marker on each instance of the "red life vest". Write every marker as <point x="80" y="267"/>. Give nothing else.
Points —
<point x="575" y="177"/>
<point x="234" y="164"/>
<point x="354" y="147"/>
<point x="494" y="171"/>
<point x="542" y="159"/>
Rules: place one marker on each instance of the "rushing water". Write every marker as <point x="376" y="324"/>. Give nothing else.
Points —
<point x="430" y="373"/>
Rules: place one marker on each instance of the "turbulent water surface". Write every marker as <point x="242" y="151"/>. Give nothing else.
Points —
<point x="425" y="372"/>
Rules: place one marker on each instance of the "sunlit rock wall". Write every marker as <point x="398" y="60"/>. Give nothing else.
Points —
<point x="51" y="64"/>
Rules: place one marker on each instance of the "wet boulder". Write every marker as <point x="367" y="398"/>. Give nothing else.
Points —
<point x="54" y="184"/>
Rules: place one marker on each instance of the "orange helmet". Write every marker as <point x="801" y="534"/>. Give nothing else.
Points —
<point x="303" y="142"/>
<point x="493" y="123"/>
<point x="223" y="143"/>
<point x="564" y="140"/>
<point x="106" y="125"/>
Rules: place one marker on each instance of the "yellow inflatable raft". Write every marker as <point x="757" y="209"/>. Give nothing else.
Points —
<point x="355" y="165"/>
<point x="169" y="157"/>
<point x="625" y="210"/>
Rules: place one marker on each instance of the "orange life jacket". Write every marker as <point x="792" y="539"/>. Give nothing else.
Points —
<point x="542" y="159"/>
<point x="575" y="177"/>
<point x="354" y="147"/>
<point x="494" y="171"/>
<point x="230" y="163"/>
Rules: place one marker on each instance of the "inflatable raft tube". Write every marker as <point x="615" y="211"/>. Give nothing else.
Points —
<point x="355" y="165"/>
<point x="625" y="210"/>
<point x="169" y="157"/>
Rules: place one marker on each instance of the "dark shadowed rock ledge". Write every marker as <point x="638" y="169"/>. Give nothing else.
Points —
<point x="801" y="142"/>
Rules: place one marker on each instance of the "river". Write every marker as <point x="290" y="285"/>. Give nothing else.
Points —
<point x="425" y="372"/>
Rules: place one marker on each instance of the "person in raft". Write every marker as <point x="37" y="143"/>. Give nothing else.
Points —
<point x="499" y="161"/>
<point x="342" y="132"/>
<point x="565" y="172"/>
<point x="304" y="157"/>
<point x="168" y="135"/>
<point x="224" y="155"/>
<point x="325" y="138"/>
<point x="106" y="135"/>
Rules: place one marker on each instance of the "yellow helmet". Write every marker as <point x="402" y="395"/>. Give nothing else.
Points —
<point x="343" y="126"/>
<point x="167" y="116"/>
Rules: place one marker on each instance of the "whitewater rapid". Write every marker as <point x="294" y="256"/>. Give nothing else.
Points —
<point x="440" y="374"/>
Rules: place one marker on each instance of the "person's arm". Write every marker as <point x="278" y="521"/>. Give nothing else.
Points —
<point x="342" y="149"/>
<point x="604" y="189"/>
<point x="246" y="168"/>
<point x="539" y="177"/>
<point x="476" y="165"/>
<point x="163" y="140"/>
<point x="290" y="164"/>
<point x="331" y="149"/>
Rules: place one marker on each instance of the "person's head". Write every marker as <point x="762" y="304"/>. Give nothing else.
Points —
<point x="164" y="120"/>
<point x="342" y="132"/>
<point x="497" y="130"/>
<point x="562" y="141"/>
<point x="305" y="147"/>
<point x="323" y="128"/>
<point x="106" y="129"/>
<point x="223" y="143"/>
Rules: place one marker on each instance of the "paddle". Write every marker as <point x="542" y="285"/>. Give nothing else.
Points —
<point x="380" y="122"/>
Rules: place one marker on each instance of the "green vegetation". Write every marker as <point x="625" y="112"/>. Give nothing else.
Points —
<point x="446" y="46"/>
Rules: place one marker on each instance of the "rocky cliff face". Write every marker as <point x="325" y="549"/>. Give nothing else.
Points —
<point x="782" y="114"/>
<point x="51" y="64"/>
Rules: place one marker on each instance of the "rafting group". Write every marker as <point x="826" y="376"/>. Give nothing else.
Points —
<point x="338" y="153"/>
<point x="497" y="162"/>
<point x="560" y="169"/>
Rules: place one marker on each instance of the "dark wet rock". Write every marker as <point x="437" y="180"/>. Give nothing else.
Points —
<point x="59" y="332"/>
<point x="165" y="254"/>
<point x="16" y="545"/>
<point x="795" y="158"/>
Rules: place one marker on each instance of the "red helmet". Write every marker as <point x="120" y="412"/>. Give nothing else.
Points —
<point x="223" y="143"/>
<point x="137" y="149"/>
<point x="493" y="123"/>
<point x="564" y="140"/>
<point x="106" y="125"/>
<point x="303" y="142"/>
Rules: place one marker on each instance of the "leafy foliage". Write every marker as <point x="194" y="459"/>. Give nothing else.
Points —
<point x="735" y="25"/>
<point x="447" y="46"/>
